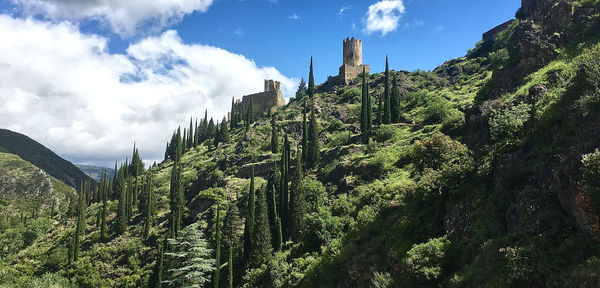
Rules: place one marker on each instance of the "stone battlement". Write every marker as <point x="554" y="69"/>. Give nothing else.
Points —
<point x="352" y="65"/>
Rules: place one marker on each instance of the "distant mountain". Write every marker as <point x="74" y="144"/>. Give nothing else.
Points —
<point x="95" y="171"/>
<point x="40" y="156"/>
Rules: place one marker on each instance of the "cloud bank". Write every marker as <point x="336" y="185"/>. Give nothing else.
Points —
<point x="66" y="90"/>
<point x="123" y="16"/>
<point x="383" y="16"/>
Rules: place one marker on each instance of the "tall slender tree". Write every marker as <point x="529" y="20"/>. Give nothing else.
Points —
<point x="121" y="225"/>
<point x="190" y="141"/>
<point x="311" y="80"/>
<point x="232" y="115"/>
<point x="364" y="103"/>
<point x="249" y="225"/>
<point x="175" y="192"/>
<point x="387" y="110"/>
<point x="81" y="219"/>
<point x="217" y="275"/>
<point x="230" y="267"/>
<point x="284" y="185"/>
<point x="297" y="201"/>
<point x="304" y="134"/>
<point x="261" y="241"/>
<point x="369" y="109"/>
<point x="274" y="135"/>
<point x="149" y="205"/>
<point x="103" y="226"/>
<point x="379" y="118"/>
<point x="278" y="233"/>
<point x="224" y="133"/>
<point x="313" y="139"/>
<point x="196" y="133"/>
<point x="395" y="102"/>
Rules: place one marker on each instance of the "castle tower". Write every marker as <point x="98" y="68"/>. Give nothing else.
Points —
<point x="352" y="66"/>
<point x="352" y="52"/>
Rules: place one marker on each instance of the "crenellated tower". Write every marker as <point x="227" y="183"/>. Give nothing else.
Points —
<point x="352" y="65"/>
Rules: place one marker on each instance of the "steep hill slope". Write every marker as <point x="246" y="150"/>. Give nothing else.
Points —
<point x="489" y="178"/>
<point x="42" y="157"/>
<point x="95" y="172"/>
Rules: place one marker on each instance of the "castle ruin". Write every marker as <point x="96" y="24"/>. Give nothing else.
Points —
<point x="263" y="101"/>
<point x="352" y="65"/>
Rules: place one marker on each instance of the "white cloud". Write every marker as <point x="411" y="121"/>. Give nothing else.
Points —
<point x="384" y="16"/>
<point x="66" y="90"/>
<point x="239" y="31"/>
<point x="294" y="17"/>
<point x="124" y="17"/>
<point x="342" y="10"/>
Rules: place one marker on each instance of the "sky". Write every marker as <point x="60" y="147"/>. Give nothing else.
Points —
<point x="89" y="78"/>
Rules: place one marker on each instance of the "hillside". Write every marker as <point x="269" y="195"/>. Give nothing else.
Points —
<point x="94" y="171"/>
<point x="40" y="156"/>
<point x="487" y="178"/>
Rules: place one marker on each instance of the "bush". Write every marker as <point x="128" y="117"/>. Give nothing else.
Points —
<point x="335" y="125"/>
<point x="437" y="110"/>
<point x="385" y="133"/>
<point x="381" y="280"/>
<point x="591" y="174"/>
<point x="352" y="95"/>
<point x="425" y="261"/>
<point x="500" y="57"/>
<point x="339" y="139"/>
<point x="508" y="124"/>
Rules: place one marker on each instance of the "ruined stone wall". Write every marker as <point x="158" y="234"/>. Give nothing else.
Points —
<point x="263" y="101"/>
<point x="348" y="73"/>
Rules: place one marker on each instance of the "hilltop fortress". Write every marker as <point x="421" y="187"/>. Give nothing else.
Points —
<point x="351" y="68"/>
<point x="352" y="65"/>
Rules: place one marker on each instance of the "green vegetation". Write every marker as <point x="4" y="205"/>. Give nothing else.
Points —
<point x="459" y="185"/>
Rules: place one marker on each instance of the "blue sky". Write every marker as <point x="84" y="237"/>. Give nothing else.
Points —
<point x="429" y="32"/>
<point x="88" y="78"/>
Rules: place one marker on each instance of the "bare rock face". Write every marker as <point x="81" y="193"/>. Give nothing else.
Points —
<point x="554" y="16"/>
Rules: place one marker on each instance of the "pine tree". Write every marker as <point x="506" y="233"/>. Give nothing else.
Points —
<point x="274" y="136"/>
<point x="249" y="224"/>
<point x="217" y="247"/>
<point x="278" y="233"/>
<point x="313" y="140"/>
<point x="190" y="261"/>
<point x="311" y="80"/>
<point x="387" y="111"/>
<point x="148" y="207"/>
<point x="304" y="134"/>
<point x="395" y="102"/>
<point x="301" y="92"/>
<point x="261" y="242"/>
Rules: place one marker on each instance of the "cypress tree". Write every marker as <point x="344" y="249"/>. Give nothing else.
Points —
<point x="122" y="208"/>
<point x="211" y="129"/>
<point x="184" y="144"/>
<point x="232" y="116"/>
<point x="129" y="194"/>
<point x="395" y="102"/>
<point x="313" y="140"/>
<point x="159" y="266"/>
<point x="148" y="207"/>
<point x="387" y="111"/>
<point x="217" y="247"/>
<point x="136" y="192"/>
<point x="174" y="192"/>
<point x="190" y="142"/>
<point x="261" y="241"/>
<point x="100" y="189"/>
<point x="196" y="133"/>
<point x="284" y="186"/>
<point x="274" y="136"/>
<point x="304" y="134"/>
<point x="224" y="134"/>
<point x="296" y="201"/>
<point x="369" y="109"/>
<point x="81" y="219"/>
<point x="379" y="111"/>
<point x="249" y="224"/>
<point x="230" y="266"/>
<point x="278" y="237"/>
<point x="251" y="111"/>
<point x="311" y="80"/>
<point x="103" y="226"/>
<point x="364" y="103"/>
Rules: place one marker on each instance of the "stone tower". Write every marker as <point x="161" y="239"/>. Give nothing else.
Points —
<point x="352" y="52"/>
<point x="263" y="101"/>
<point x="352" y="65"/>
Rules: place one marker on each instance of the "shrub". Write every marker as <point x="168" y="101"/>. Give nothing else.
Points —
<point x="335" y="125"/>
<point x="338" y="139"/>
<point x="508" y="124"/>
<point x="381" y="280"/>
<point x="591" y="174"/>
<point x="385" y="133"/>
<point x="437" y="110"/>
<point x="499" y="57"/>
<point x="425" y="261"/>
<point x="352" y="95"/>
